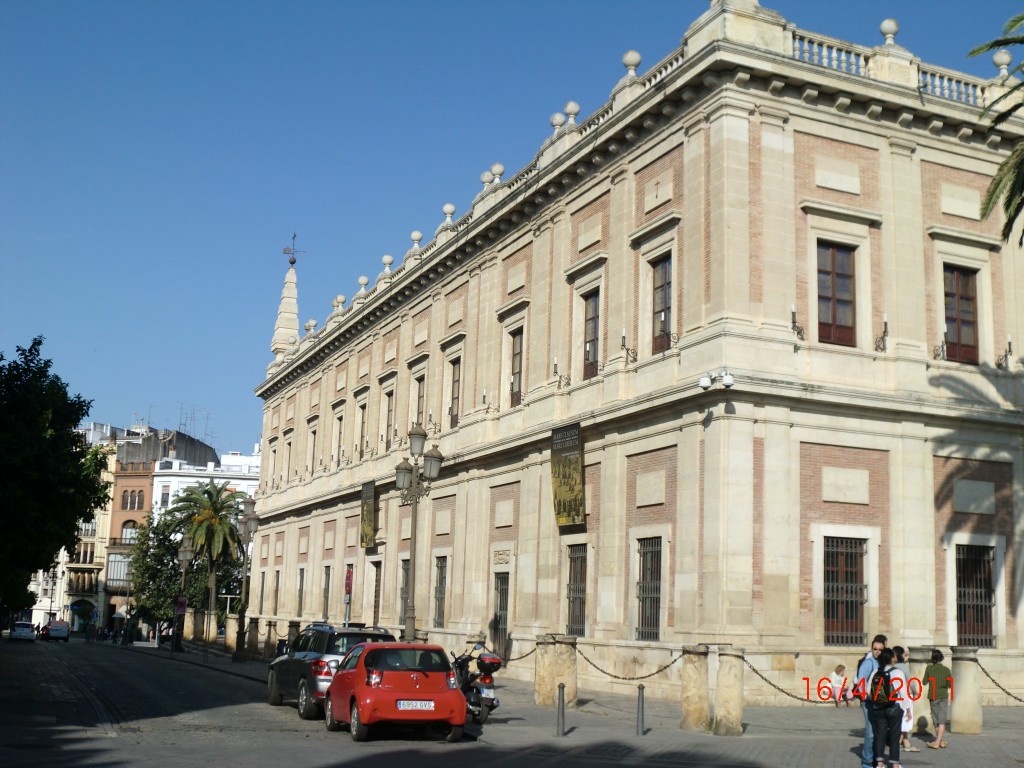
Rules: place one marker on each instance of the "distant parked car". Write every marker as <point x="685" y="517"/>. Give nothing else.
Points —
<point x="57" y="630"/>
<point x="302" y="671"/>
<point x="395" y="683"/>
<point x="23" y="631"/>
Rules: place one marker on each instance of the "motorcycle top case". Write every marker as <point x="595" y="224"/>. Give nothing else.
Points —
<point x="488" y="663"/>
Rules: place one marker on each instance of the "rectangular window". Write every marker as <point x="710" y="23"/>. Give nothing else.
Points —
<point x="456" y="389"/>
<point x="302" y="585"/>
<point x="648" y="590"/>
<point x="362" y="446"/>
<point x="974" y="596"/>
<point x="576" y="593"/>
<point x="836" y="300"/>
<point x="389" y="419"/>
<point x="515" y="387"/>
<point x="339" y="440"/>
<point x="421" y="399"/>
<point x="661" y="305"/>
<point x="591" y="333"/>
<point x="961" y="294"/>
<point x="312" y="450"/>
<point x="440" y="589"/>
<point x="501" y="641"/>
<point x="263" y="588"/>
<point x="403" y="592"/>
<point x="845" y="591"/>
<point x="165" y="495"/>
<point x="277" y="588"/>
<point x="327" y="592"/>
<point x="288" y="461"/>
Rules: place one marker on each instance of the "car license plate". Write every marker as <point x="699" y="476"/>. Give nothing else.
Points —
<point x="416" y="705"/>
<point x="487" y="693"/>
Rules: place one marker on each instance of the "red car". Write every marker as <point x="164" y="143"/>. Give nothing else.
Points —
<point x="395" y="683"/>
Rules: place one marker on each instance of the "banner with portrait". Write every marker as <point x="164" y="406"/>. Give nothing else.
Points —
<point x="368" y="516"/>
<point x="567" y="475"/>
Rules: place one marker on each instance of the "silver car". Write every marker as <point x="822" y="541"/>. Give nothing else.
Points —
<point x="303" y="673"/>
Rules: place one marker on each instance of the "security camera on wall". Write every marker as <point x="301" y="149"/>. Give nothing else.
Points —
<point x="727" y="379"/>
<point x="705" y="382"/>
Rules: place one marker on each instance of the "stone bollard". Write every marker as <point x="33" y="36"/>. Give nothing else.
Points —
<point x="252" y="637"/>
<point x="556" y="663"/>
<point x="919" y="658"/>
<point x="729" y="693"/>
<point x="965" y="692"/>
<point x="231" y="632"/>
<point x="293" y="631"/>
<point x="270" y="644"/>
<point x="189" y="629"/>
<point x="696" y="701"/>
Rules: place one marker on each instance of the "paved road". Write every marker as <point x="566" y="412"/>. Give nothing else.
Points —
<point x="96" y="704"/>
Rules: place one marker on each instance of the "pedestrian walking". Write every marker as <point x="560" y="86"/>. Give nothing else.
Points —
<point x="938" y="677"/>
<point x="865" y="670"/>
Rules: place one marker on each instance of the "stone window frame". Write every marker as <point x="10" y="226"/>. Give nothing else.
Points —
<point x="969" y="254"/>
<point x="634" y="534"/>
<point x="998" y="543"/>
<point x="435" y="553"/>
<point x="652" y="251"/>
<point x="872" y="535"/>
<point x="589" y="606"/>
<point x="452" y="349"/>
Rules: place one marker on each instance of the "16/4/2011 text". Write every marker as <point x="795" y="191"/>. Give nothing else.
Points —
<point x="915" y="689"/>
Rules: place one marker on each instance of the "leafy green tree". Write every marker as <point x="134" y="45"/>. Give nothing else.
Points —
<point x="1008" y="183"/>
<point x="209" y="512"/>
<point x="51" y="478"/>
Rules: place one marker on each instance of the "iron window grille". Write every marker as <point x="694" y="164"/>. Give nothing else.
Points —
<point x="403" y="592"/>
<point x="974" y="596"/>
<point x="648" y="590"/>
<point x="440" y="589"/>
<point x="501" y="643"/>
<point x="845" y="591"/>
<point x="576" y="591"/>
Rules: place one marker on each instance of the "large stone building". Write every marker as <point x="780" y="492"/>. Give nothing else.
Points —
<point x="744" y="322"/>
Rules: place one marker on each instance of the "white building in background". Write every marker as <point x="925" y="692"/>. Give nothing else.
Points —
<point x="172" y="476"/>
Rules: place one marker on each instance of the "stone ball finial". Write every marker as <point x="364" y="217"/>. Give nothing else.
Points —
<point x="571" y="110"/>
<point x="363" y="282"/>
<point x="557" y="120"/>
<point x="310" y="325"/>
<point x="448" y="209"/>
<point x="631" y="60"/>
<point x="339" y="301"/>
<point x="486" y="178"/>
<point x="498" y="170"/>
<point x="416" y="236"/>
<point x="890" y="28"/>
<point x="1002" y="59"/>
<point x="387" y="260"/>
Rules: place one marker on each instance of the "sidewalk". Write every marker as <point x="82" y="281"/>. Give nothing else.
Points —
<point x="802" y="735"/>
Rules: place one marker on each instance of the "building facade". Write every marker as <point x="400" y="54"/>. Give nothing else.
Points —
<point x="729" y="362"/>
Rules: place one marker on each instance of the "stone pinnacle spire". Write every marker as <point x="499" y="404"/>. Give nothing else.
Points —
<point x="286" y="327"/>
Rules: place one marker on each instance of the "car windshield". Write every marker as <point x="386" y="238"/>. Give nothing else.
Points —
<point x="420" y="660"/>
<point x="339" y="644"/>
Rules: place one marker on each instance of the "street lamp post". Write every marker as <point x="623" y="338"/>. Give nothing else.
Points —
<point x="247" y="525"/>
<point x="185" y="554"/>
<point x="413" y="483"/>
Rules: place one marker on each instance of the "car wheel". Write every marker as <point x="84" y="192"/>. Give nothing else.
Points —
<point x="359" y="731"/>
<point x="455" y="734"/>
<point x="307" y="705"/>
<point x="274" y="697"/>
<point x="332" y="724"/>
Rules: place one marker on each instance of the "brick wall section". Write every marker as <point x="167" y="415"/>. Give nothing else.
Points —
<point x="758" y="534"/>
<point x="664" y="460"/>
<point x="947" y="471"/>
<point x="504" y="493"/>
<point x="444" y="505"/>
<point x="932" y="178"/>
<point x="390" y="337"/>
<point x="459" y="296"/>
<point x="602" y="206"/>
<point x="875" y="513"/>
<point x="670" y="160"/>
<point x="418" y="319"/>
<point x="756" y="215"/>
<point x="806" y="150"/>
<point x="524" y="254"/>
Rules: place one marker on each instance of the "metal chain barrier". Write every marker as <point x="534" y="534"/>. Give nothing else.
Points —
<point x="619" y="677"/>
<point x="783" y="690"/>
<point x="997" y="685"/>
<point x="506" y="662"/>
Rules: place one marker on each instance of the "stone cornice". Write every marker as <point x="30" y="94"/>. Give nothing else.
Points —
<point x="967" y="237"/>
<point x="836" y="211"/>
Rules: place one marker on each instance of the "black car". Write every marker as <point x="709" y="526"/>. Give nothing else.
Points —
<point x="302" y="672"/>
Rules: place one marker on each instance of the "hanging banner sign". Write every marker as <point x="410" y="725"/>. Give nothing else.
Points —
<point x="368" y="517"/>
<point x="567" y="475"/>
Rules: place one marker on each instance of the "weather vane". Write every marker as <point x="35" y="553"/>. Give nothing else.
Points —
<point x="290" y="251"/>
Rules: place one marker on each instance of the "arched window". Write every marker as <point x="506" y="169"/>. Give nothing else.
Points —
<point x="129" y="532"/>
<point x="141" y="500"/>
<point x="124" y="500"/>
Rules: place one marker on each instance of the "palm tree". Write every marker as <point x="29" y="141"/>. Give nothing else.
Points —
<point x="1008" y="183"/>
<point x="209" y="512"/>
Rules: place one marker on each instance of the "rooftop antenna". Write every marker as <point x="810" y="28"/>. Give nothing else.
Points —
<point x="290" y="251"/>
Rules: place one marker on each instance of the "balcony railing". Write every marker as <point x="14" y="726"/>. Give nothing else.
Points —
<point x="122" y="542"/>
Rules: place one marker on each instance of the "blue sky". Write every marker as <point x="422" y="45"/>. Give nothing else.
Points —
<point x="155" y="158"/>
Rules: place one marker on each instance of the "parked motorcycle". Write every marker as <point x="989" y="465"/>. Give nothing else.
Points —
<point x="477" y="687"/>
